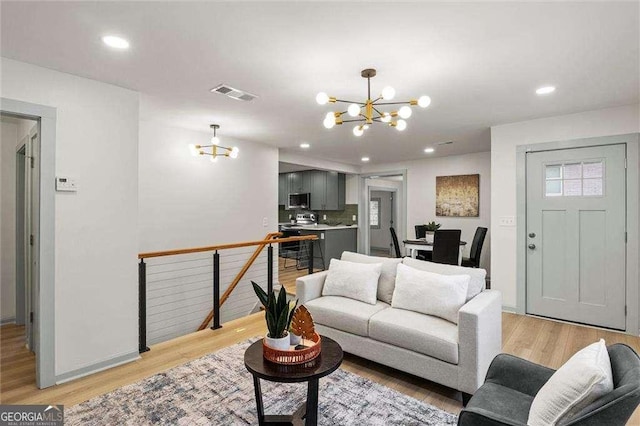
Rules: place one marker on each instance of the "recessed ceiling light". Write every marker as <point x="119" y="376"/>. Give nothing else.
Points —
<point x="305" y="145"/>
<point x="545" y="90"/>
<point x="115" y="42"/>
<point x="365" y="159"/>
<point x="429" y="150"/>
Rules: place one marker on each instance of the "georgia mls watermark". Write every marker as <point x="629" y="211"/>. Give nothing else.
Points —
<point x="31" y="415"/>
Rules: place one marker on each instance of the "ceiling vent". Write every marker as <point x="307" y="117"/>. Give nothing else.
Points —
<point x="236" y="94"/>
<point x="445" y="143"/>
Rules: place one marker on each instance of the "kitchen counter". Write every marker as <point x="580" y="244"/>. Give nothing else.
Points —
<point x="319" y="227"/>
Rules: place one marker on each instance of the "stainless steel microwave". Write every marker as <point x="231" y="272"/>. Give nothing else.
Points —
<point x="299" y="201"/>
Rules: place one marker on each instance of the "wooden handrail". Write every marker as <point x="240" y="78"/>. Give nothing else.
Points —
<point x="268" y="240"/>
<point x="260" y="243"/>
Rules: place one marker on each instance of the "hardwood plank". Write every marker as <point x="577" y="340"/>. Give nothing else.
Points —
<point x="540" y="340"/>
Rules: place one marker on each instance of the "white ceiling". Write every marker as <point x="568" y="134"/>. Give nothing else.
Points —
<point x="479" y="62"/>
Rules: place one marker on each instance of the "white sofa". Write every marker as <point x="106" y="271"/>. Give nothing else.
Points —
<point x="454" y="355"/>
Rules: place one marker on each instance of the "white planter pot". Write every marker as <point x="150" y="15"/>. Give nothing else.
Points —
<point x="429" y="237"/>
<point x="281" y="344"/>
<point x="294" y="339"/>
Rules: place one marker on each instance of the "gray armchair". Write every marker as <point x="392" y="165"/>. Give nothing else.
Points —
<point x="512" y="383"/>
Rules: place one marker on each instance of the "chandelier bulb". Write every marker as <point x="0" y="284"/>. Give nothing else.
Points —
<point x="386" y="117"/>
<point x="405" y="112"/>
<point x="234" y="152"/>
<point x="388" y="93"/>
<point x="354" y="110"/>
<point x="215" y="140"/>
<point x="401" y="125"/>
<point x="322" y="98"/>
<point x="193" y="149"/>
<point x="424" y="101"/>
<point x="213" y="158"/>
<point x="329" y="122"/>
<point x="358" y="131"/>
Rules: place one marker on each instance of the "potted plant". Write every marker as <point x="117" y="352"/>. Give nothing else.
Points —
<point x="432" y="227"/>
<point x="278" y="314"/>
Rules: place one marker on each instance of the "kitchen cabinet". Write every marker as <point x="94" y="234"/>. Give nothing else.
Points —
<point x="327" y="189"/>
<point x="331" y="243"/>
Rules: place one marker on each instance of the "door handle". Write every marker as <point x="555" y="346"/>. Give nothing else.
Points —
<point x="532" y="246"/>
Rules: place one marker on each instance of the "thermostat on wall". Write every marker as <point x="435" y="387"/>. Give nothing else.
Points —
<point x="66" y="184"/>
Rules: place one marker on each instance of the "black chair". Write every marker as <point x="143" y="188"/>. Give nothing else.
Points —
<point x="421" y="232"/>
<point x="291" y="249"/>
<point x="473" y="261"/>
<point x="446" y="246"/>
<point x="396" y="246"/>
<point x="512" y="383"/>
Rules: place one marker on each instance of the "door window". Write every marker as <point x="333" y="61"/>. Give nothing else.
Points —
<point x="574" y="179"/>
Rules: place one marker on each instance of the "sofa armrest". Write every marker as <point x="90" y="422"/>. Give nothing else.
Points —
<point x="310" y="286"/>
<point x="479" y="338"/>
<point x="508" y="370"/>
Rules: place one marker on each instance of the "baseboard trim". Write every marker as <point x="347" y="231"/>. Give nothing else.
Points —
<point x="511" y="309"/>
<point x="6" y="321"/>
<point x="97" y="367"/>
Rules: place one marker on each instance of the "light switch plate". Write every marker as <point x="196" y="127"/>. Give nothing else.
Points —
<point x="265" y="222"/>
<point x="66" y="184"/>
<point x="509" y="221"/>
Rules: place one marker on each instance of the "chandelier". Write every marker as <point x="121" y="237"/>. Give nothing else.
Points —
<point x="214" y="150"/>
<point x="369" y="112"/>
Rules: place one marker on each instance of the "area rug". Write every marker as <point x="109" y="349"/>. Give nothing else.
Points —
<point x="217" y="390"/>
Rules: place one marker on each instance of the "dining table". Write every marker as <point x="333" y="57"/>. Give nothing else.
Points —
<point x="421" y="244"/>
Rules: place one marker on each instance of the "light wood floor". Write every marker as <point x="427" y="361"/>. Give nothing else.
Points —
<point x="287" y="276"/>
<point x="542" y="341"/>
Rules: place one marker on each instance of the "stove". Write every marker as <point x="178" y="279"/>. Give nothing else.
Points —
<point x="306" y="218"/>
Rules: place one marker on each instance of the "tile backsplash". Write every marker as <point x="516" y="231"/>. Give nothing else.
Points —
<point x="344" y="217"/>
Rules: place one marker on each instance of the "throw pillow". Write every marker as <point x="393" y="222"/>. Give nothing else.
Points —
<point x="357" y="281"/>
<point x="428" y="293"/>
<point x="585" y="377"/>
<point x="476" y="285"/>
<point x="387" y="281"/>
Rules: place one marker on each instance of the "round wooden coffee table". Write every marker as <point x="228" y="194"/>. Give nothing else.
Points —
<point x="329" y="360"/>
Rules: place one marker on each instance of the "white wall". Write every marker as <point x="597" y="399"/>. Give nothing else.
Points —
<point x="421" y="194"/>
<point x="187" y="201"/>
<point x="351" y="189"/>
<point x="96" y="241"/>
<point x="8" y="140"/>
<point x="504" y="140"/>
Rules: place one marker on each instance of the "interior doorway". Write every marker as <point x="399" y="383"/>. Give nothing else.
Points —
<point x="382" y="211"/>
<point x="27" y="201"/>
<point x="19" y="209"/>
<point x="383" y="206"/>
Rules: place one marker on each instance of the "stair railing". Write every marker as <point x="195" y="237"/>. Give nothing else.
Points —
<point x="218" y="301"/>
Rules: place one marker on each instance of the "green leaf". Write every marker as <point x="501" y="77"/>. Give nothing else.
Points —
<point x="282" y="323"/>
<point x="282" y="300"/>
<point x="262" y="295"/>
<point x="271" y="324"/>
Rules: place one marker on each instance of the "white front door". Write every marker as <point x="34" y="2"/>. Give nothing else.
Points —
<point x="576" y="235"/>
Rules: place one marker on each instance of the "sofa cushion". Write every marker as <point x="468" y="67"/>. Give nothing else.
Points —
<point x="429" y="293"/>
<point x="357" y="281"/>
<point x="478" y="276"/>
<point x="387" y="280"/>
<point x="343" y="313"/>
<point x="416" y="332"/>
<point x="585" y="377"/>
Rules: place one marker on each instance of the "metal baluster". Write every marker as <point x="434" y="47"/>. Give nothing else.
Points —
<point x="269" y="269"/>
<point x="216" y="291"/>
<point x="142" y="307"/>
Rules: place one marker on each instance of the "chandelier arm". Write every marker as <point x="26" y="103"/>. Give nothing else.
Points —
<point x="350" y="102"/>
<point x="395" y="103"/>
<point x="354" y="120"/>
<point x="376" y="110"/>
<point x="217" y="146"/>
<point x="376" y="100"/>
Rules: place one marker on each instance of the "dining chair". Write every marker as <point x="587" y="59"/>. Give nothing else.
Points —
<point x="421" y="232"/>
<point x="473" y="261"/>
<point x="446" y="246"/>
<point x="394" y="238"/>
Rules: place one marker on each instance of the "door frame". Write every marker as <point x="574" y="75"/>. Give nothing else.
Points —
<point x="394" y="206"/>
<point x="21" y="311"/>
<point x="632" y="206"/>
<point x="44" y="315"/>
<point x="363" y="207"/>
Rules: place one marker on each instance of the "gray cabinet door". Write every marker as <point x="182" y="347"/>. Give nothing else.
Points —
<point x="342" y="191"/>
<point x="318" y="189"/>
<point x="332" y="191"/>
<point x="282" y="189"/>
